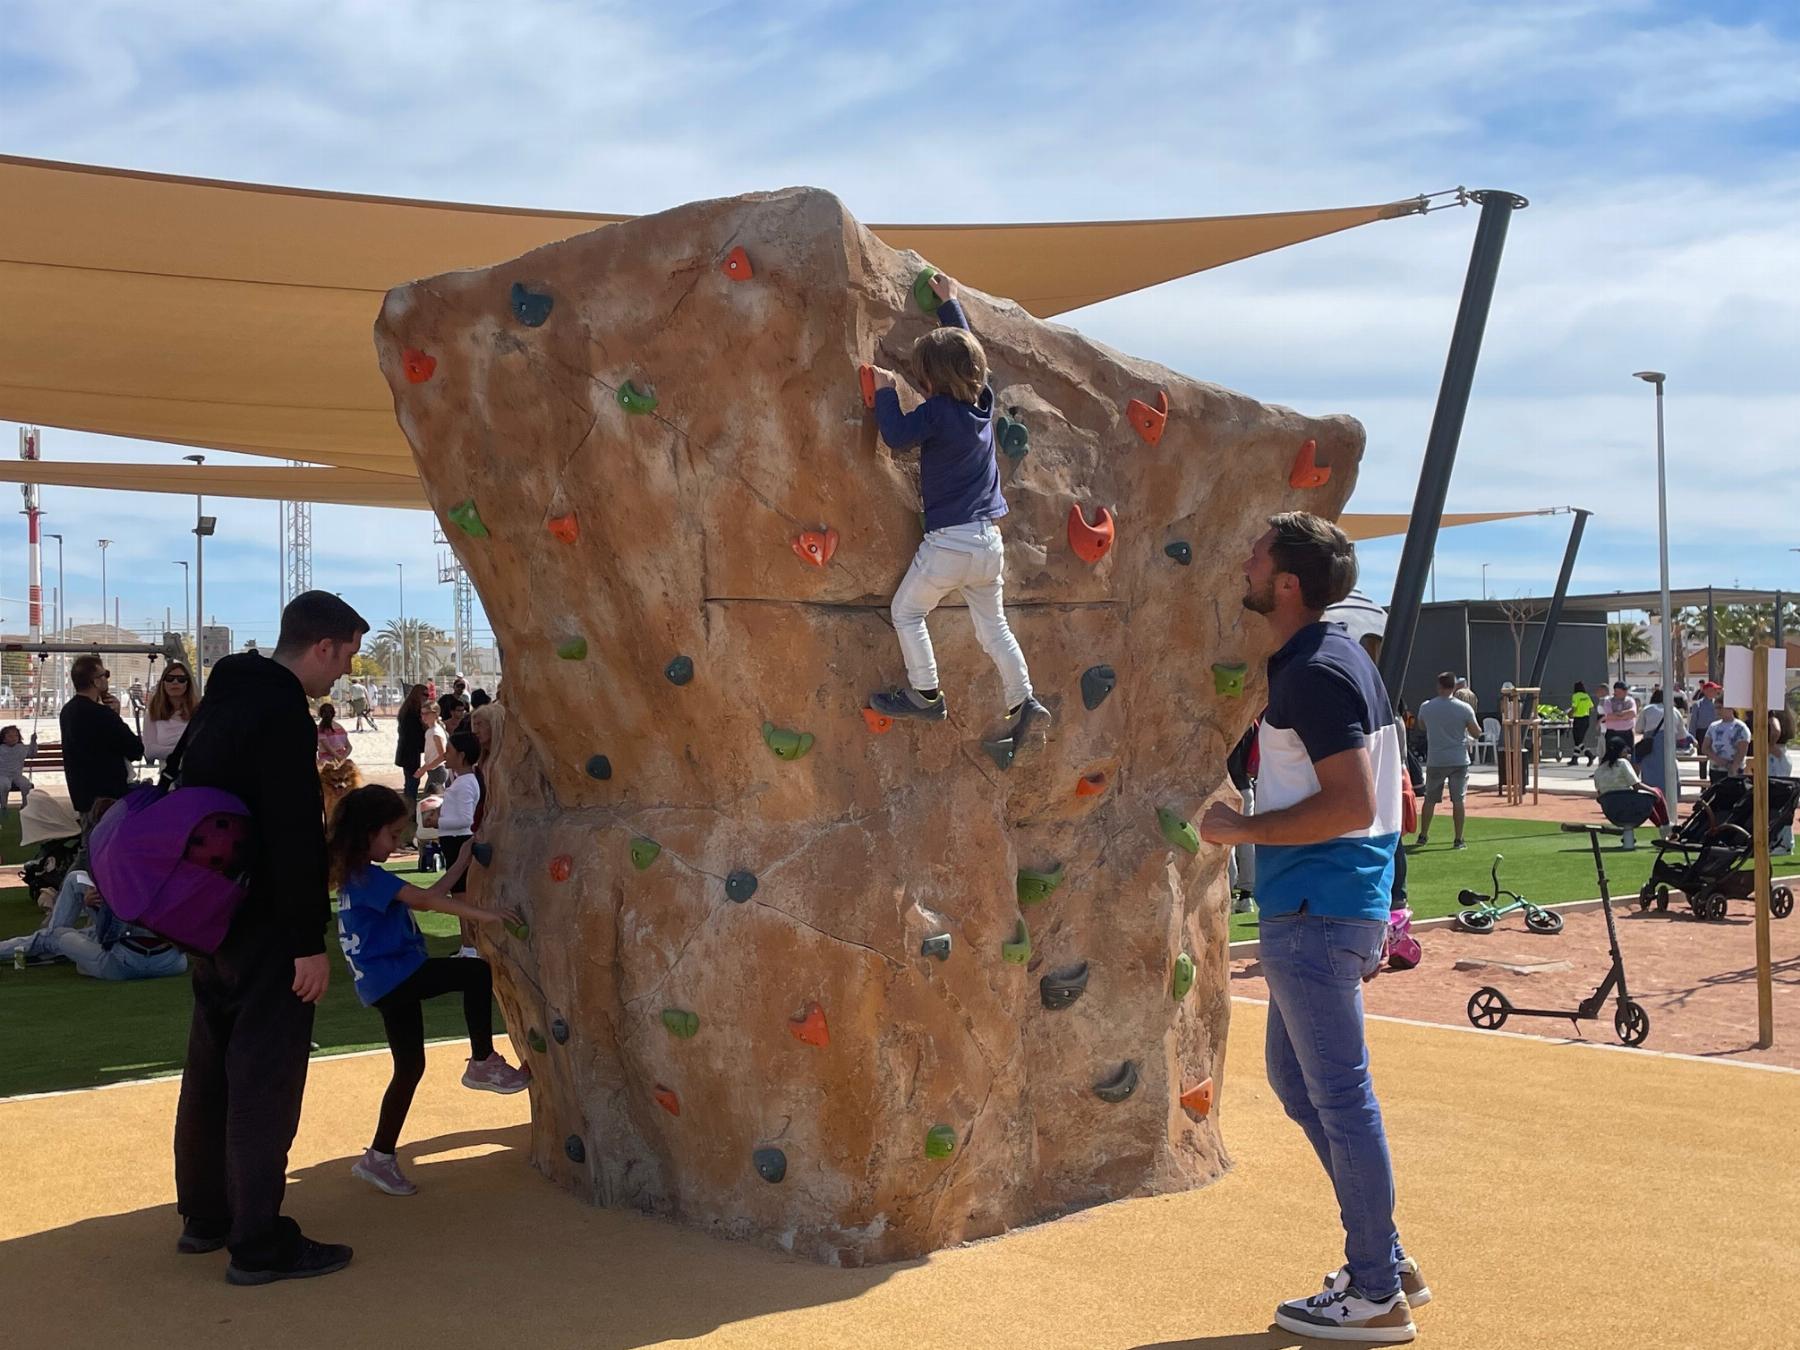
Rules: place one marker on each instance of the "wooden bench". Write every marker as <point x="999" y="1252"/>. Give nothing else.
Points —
<point x="47" y="757"/>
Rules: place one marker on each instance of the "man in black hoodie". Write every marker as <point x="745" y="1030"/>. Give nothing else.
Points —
<point x="254" y="998"/>
<point x="97" y="745"/>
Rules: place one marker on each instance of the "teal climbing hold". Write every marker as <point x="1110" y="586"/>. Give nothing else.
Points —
<point x="940" y="1141"/>
<point x="1228" y="678"/>
<point x="535" y="1039"/>
<point x="483" y="853"/>
<point x="1096" y="683"/>
<point x="681" y="1022"/>
<point x="600" y="767"/>
<point x="1018" y="951"/>
<point x="575" y="649"/>
<point x="1001" y="750"/>
<point x="786" y="744"/>
<point x="1060" y="988"/>
<point x="1037" y="887"/>
<point x="1177" y="830"/>
<point x="1012" y="436"/>
<point x="680" y="670"/>
<point x="1181" y="551"/>
<point x="576" y="1150"/>
<point x="559" y="1031"/>
<point x="1183" y="979"/>
<point x="635" y="400"/>
<point x="643" y="852"/>
<point x="1120" y="1086"/>
<point x="771" y="1164"/>
<point x="923" y="296"/>
<point x="521" y="930"/>
<point x="530" y="307"/>
<point x="740" y="886"/>
<point x="938" y="945"/>
<point x="467" y="518"/>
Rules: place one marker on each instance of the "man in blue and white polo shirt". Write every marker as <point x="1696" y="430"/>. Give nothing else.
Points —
<point x="1326" y="826"/>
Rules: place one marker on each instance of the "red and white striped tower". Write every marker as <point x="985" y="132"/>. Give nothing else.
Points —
<point x="28" y="450"/>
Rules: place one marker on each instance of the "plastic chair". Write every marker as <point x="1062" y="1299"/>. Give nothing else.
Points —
<point x="1490" y="740"/>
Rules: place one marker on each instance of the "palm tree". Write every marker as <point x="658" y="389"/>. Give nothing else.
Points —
<point x="1628" y="637"/>
<point x="408" y="647"/>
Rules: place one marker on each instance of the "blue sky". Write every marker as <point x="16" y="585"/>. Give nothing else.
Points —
<point x="1659" y="145"/>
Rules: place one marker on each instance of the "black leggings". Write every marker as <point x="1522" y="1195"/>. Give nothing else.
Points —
<point x="403" y="1014"/>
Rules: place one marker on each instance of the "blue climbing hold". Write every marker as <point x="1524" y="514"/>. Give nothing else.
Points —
<point x="1001" y="751"/>
<point x="938" y="945"/>
<point x="1012" y="436"/>
<point x="484" y="853"/>
<point x="740" y="886"/>
<point x="1120" y="1086"/>
<point x="576" y="1150"/>
<point x="680" y="670"/>
<point x="1060" y="988"/>
<point x="530" y="307"/>
<point x="599" y="767"/>
<point x="771" y="1164"/>
<point x="1181" y="551"/>
<point x="559" y="1031"/>
<point x="1096" y="683"/>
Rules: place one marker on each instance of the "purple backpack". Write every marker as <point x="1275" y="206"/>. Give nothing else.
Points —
<point x="174" y="861"/>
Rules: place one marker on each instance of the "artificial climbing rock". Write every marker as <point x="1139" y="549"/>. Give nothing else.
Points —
<point x="644" y="852"/>
<point x="784" y="743"/>
<point x="1096" y="683"/>
<point x="1228" y="678"/>
<point x="940" y="1141"/>
<point x="1060" y="988"/>
<point x="530" y="307"/>
<point x="1035" y="887"/>
<point x="636" y="401"/>
<point x="1120" y="1086"/>
<point x="467" y="519"/>
<point x="1181" y="551"/>
<point x="815" y="546"/>
<point x="1176" y="829"/>
<point x="1093" y="542"/>
<point x="1183" y="979"/>
<point x="740" y="886"/>
<point x="680" y="670"/>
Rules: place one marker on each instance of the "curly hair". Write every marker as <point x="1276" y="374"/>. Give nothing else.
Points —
<point x="950" y="362"/>
<point x="359" y="817"/>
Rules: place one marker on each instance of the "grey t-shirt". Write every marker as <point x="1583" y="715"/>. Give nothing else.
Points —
<point x="1446" y="721"/>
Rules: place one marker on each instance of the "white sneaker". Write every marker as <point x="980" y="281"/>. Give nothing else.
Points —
<point x="1345" y="1315"/>
<point x="1412" y="1283"/>
<point x="382" y="1171"/>
<point x="468" y="951"/>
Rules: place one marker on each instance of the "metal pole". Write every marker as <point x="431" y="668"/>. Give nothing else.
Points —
<point x="1554" y="616"/>
<point x="1759" y="821"/>
<point x="403" y="637"/>
<point x="1779" y="643"/>
<point x="1484" y="568"/>
<point x="199" y="671"/>
<point x="1712" y="637"/>
<point x="1446" y="430"/>
<point x="1671" y="769"/>
<point x="103" y="544"/>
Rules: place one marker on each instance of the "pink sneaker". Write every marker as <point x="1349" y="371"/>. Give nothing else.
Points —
<point x="494" y="1074"/>
<point x="382" y="1171"/>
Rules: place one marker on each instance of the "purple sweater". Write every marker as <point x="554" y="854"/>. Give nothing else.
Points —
<point x="959" y="477"/>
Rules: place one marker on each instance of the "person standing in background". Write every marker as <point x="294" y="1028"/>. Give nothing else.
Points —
<point x="1581" y="715"/>
<point x="172" y="707"/>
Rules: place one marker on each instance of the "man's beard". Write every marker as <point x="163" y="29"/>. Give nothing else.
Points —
<point x="1260" y="602"/>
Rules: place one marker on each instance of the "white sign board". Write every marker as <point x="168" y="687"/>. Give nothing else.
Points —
<point x="215" y="644"/>
<point x="1739" y="667"/>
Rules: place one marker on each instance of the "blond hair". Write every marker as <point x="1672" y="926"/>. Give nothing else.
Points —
<point x="950" y="361"/>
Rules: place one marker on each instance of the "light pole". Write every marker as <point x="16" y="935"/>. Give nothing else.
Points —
<point x="187" y="611"/>
<point x="403" y="641"/>
<point x="104" y="544"/>
<point x="1484" y="568"/>
<point x="203" y="526"/>
<point x="1671" y="770"/>
<point x="61" y="634"/>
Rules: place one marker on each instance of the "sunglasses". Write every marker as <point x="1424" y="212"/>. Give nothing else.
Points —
<point x="175" y="679"/>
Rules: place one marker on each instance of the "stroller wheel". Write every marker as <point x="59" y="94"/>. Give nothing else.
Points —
<point x="1631" y="1022"/>
<point x="1781" y="902"/>
<point x="1488" y="1008"/>
<point x="1475" y="921"/>
<point x="1662" y="899"/>
<point x="1544" y="921"/>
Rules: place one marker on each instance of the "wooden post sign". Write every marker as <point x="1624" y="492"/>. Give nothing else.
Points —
<point x="1749" y="680"/>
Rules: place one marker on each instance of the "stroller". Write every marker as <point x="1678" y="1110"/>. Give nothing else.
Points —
<point x="47" y="821"/>
<point x="1704" y="859"/>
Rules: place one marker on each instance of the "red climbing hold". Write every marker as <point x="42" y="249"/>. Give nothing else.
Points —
<point x="1307" y="471"/>
<point x="809" y="1028"/>
<point x="565" y="528"/>
<point x="866" y="374"/>
<point x="1091" y="786"/>
<point x="561" y="866"/>
<point x="1149" y="422"/>
<point x="666" y="1098"/>
<point x="879" y="723"/>
<point x="737" y="265"/>
<point x="1198" y="1098"/>
<point x="1090" y="542"/>
<point x="816" y="546"/>
<point x="419" y="365"/>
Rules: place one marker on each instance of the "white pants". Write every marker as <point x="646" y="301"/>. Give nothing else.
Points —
<point x="971" y="559"/>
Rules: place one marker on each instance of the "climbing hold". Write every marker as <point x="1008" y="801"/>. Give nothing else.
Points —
<point x="575" y="649"/>
<point x="923" y="295"/>
<point x="1012" y="436"/>
<point x="940" y="1141"/>
<point x="865" y="376"/>
<point x="1060" y="988"/>
<point x="559" y="1031"/>
<point x="1091" y="786"/>
<point x="530" y="307"/>
<point x="1149" y="422"/>
<point x="681" y="1022"/>
<point x="740" y="886"/>
<point x="1228" y="678"/>
<point x="1037" y="887"/>
<point x="666" y="1098"/>
<point x="1001" y="751"/>
<point x="1177" y="830"/>
<point x="1199" y="1097"/>
<point x="521" y="931"/>
<point x="1183" y="979"/>
<point x="483" y="853"/>
<point x="468" y="519"/>
<point x="1181" y="551"/>
<point x="1120" y="1086"/>
<point x="599" y="766"/>
<point x="635" y="400"/>
<point x="680" y="670"/>
<point x="938" y="945"/>
<point x="771" y="1164"/>
<point x="643" y="852"/>
<point x="879" y="723"/>
<point x="1091" y="543"/>
<point x="737" y="267"/>
<point x="1018" y="951"/>
<point x="417" y="364"/>
<point x="565" y="528"/>
<point x="815" y="546"/>
<point x="789" y="745"/>
<point x="809" y="1027"/>
<point x="560" y="867"/>
<point x="1096" y="683"/>
<point x="1307" y="471"/>
<point x="576" y="1150"/>
<point x="535" y="1039"/>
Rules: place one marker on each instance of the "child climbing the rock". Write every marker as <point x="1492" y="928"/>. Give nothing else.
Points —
<point x="959" y="480"/>
<point x="386" y="955"/>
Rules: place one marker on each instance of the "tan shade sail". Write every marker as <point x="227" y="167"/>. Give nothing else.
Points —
<point x="1361" y="525"/>
<point x="237" y="317"/>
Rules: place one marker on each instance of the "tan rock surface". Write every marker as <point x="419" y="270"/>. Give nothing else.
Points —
<point x="868" y="844"/>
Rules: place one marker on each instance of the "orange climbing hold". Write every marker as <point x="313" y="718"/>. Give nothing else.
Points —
<point x="809" y="1028"/>
<point x="879" y="723"/>
<point x="418" y="365"/>
<point x="666" y="1098"/>
<point x="1090" y="542"/>
<point x="1307" y="471"/>
<point x="816" y="546"/>
<point x="565" y="528"/>
<point x="561" y="866"/>
<point x="1149" y="422"/>
<point x="1091" y="786"/>
<point x="1198" y="1098"/>
<point x="866" y="374"/>
<point x="737" y="265"/>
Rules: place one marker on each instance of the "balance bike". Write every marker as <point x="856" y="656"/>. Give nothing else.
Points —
<point x="1482" y="912"/>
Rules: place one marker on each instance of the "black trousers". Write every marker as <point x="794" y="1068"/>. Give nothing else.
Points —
<point x="240" y="1099"/>
<point x="403" y="1014"/>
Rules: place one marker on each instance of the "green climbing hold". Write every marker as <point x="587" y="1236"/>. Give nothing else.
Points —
<point x="923" y="295"/>
<point x="1228" y="678"/>
<point x="740" y="886"/>
<point x="1037" y="887"/>
<point x="1001" y="751"/>
<point x="1177" y="830"/>
<point x="680" y="670"/>
<point x="1018" y="951"/>
<point x="786" y="744"/>
<point x="466" y="518"/>
<point x="519" y="930"/>
<point x="1184" y="976"/>
<point x="535" y="1039"/>
<point x="1012" y="436"/>
<point x="938" y="945"/>
<point x="575" y="649"/>
<point x="600" y="767"/>
<point x="940" y="1141"/>
<point x="1120" y="1086"/>
<point x="643" y="852"/>
<point x="635" y="400"/>
<point x="681" y="1022"/>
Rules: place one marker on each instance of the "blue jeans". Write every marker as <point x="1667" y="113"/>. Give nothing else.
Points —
<point x="1318" y="1064"/>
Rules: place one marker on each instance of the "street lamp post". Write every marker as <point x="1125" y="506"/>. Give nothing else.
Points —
<point x="61" y="632"/>
<point x="1671" y="770"/>
<point x="187" y="610"/>
<point x="403" y="641"/>
<point x="203" y="526"/>
<point x="1484" y="568"/>
<point x="104" y="545"/>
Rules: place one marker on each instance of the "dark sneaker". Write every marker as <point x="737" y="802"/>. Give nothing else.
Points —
<point x="901" y="701"/>
<point x="1459" y="844"/>
<point x="1412" y="1283"/>
<point x="197" y="1239"/>
<point x="313" y="1259"/>
<point x="1027" y="714"/>
<point x="1345" y="1315"/>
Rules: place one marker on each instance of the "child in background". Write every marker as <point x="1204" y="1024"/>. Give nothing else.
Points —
<point x="456" y="815"/>
<point x="13" y="754"/>
<point x="959" y="480"/>
<point x="386" y="955"/>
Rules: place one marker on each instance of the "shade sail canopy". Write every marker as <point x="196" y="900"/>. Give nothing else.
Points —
<point x="237" y="317"/>
<point x="1381" y="525"/>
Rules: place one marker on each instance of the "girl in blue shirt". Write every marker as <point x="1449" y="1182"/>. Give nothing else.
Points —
<point x="386" y="954"/>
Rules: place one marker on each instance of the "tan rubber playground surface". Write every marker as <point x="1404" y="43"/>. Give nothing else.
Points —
<point x="1558" y="1196"/>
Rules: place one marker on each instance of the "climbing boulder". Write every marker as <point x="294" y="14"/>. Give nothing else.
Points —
<point x="689" y="535"/>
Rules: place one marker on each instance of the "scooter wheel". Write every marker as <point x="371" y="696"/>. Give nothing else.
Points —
<point x="1631" y="1022"/>
<point x="1646" y="896"/>
<point x="1781" y="902"/>
<point x="1488" y="1008"/>
<point x="1475" y="921"/>
<point x="1544" y="921"/>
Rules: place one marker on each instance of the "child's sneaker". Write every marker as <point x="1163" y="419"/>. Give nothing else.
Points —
<point x="1024" y="715"/>
<point x="382" y="1171"/>
<point x="902" y="701"/>
<point x="494" y="1074"/>
<point x="1412" y="1283"/>
<point x="1345" y="1315"/>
